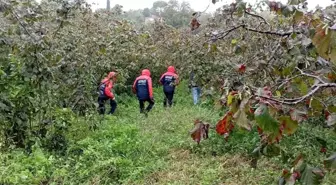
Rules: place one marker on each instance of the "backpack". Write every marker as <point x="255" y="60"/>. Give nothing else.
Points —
<point x="101" y="89"/>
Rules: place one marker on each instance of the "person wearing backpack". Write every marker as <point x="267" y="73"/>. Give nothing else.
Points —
<point x="142" y="87"/>
<point x="169" y="80"/>
<point x="105" y="93"/>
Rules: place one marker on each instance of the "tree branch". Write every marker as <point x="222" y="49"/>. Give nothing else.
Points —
<point x="295" y="101"/>
<point x="226" y="32"/>
<point x="288" y="80"/>
<point x="310" y="75"/>
<point x="22" y="25"/>
<point x="258" y="16"/>
<point x="271" y="32"/>
<point x="291" y="101"/>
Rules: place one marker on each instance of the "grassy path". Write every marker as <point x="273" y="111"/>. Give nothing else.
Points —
<point x="178" y="160"/>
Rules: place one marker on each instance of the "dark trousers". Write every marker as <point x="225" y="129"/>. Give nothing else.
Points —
<point x="142" y="105"/>
<point x="168" y="99"/>
<point x="101" y="103"/>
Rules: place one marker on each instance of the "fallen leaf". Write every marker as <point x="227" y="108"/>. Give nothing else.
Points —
<point x="200" y="131"/>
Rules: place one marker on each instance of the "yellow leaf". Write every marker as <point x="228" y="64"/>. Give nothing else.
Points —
<point x="230" y="99"/>
<point x="241" y="120"/>
<point x="278" y="93"/>
<point x="234" y="41"/>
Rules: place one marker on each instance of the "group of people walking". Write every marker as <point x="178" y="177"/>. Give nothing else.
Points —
<point x="142" y="87"/>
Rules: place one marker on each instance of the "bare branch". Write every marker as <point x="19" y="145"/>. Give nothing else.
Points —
<point x="258" y="16"/>
<point x="271" y="32"/>
<point x="227" y="32"/>
<point x="310" y="75"/>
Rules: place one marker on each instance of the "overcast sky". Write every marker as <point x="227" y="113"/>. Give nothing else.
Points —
<point x="198" y="5"/>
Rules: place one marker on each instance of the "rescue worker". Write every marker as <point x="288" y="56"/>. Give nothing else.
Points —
<point x="143" y="88"/>
<point x="169" y="80"/>
<point x="106" y="93"/>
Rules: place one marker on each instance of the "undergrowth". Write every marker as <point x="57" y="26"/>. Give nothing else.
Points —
<point x="128" y="148"/>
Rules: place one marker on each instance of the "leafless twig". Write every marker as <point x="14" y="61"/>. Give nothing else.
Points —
<point x="258" y="16"/>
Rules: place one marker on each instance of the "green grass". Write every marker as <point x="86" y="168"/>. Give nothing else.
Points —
<point x="130" y="149"/>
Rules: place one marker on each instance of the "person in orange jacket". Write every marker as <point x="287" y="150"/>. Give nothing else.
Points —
<point x="143" y="88"/>
<point x="169" y="80"/>
<point x="106" y="93"/>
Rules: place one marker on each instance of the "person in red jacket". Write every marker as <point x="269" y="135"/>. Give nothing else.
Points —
<point x="169" y="80"/>
<point x="105" y="93"/>
<point x="142" y="87"/>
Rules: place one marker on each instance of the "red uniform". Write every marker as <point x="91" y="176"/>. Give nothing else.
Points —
<point x="169" y="80"/>
<point x="143" y="88"/>
<point x="105" y="93"/>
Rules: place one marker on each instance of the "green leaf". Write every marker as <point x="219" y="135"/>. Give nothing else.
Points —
<point x="312" y="176"/>
<point x="295" y="51"/>
<point x="238" y="49"/>
<point x="330" y="162"/>
<point x="303" y="88"/>
<point x="290" y="126"/>
<point x="331" y="108"/>
<point x="288" y="10"/>
<point x="265" y="121"/>
<point x="288" y="70"/>
<point x="316" y="106"/>
<point x="324" y="41"/>
<point x="271" y="150"/>
<point x="298" y="16"/>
